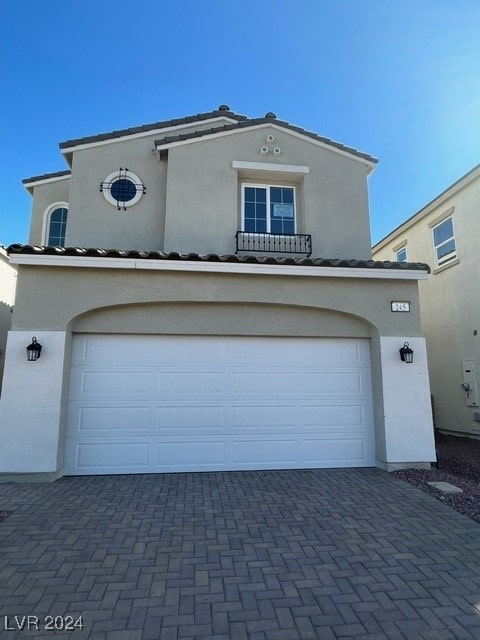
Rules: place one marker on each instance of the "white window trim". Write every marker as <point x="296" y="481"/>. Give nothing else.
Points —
<point x="451" y="257"/>
<point x="404" y="248"/>
<point x="299" y="170"/>
<point x="267" y="187"/>
<point x="128" y="175"/>
<point x="399" y="245"/>
<point x="46" y="218"/>
<point x="441" y="218"/>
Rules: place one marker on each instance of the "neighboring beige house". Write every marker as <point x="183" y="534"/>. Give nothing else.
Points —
<point x="7" y="297"/>
<point x="228" y="317"/>
<point x="446" y="234"/>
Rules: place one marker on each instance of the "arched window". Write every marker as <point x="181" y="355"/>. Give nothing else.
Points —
<point x="56" y="225"/>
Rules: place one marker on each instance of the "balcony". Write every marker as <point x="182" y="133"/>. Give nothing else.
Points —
<point x="299" y="243"/>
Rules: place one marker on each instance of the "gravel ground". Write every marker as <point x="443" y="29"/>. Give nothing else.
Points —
<point x="458" y="464"/>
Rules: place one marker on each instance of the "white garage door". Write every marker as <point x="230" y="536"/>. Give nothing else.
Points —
<point x="146" y="404"/>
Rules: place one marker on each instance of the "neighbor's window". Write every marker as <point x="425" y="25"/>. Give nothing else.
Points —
<point x="57" y="225"/>
<point x="444" y="241"/>
<point x="402" y="255"/>
<point x="268" y="209"/>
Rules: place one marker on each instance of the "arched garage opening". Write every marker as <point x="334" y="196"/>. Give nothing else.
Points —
<point x="204" y="387"/>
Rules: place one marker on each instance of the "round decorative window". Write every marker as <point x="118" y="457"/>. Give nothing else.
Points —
<point x="122" y="188"/>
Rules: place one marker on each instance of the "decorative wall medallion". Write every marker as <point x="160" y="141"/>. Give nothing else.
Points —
<point x="122" y="188"/>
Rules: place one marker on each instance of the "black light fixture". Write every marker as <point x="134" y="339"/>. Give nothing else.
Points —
<point x="406" y="354"/>
<point x="33" y="350"/>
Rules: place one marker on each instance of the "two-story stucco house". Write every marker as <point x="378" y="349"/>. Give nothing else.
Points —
<point x="229" y="317"/>
<point x="446" y="234"/>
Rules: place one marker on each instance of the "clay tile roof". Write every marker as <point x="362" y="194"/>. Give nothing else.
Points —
<point x="213" y="257"/>
<point x="46" y="176"/>
<point x="241" y="123"/>
<point x="111" y="135"/>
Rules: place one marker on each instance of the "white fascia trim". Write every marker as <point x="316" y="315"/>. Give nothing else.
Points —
<point x="269" y="166"/>
<point x="36" y="183"/>
<point x="215" y="267"/>
<point x="329" y="147"/>
<point x="143" y="134"/>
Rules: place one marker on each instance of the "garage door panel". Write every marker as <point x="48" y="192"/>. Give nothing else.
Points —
<point x="196" y="351"/>
<point x="190" y="419"/>
<point x="255" y="451"/>
<point x="274" y="354"/>
<point x="334" y="416"/>
<point x="110" y="383"/>
<point x="89" y="457"/>
<point x="264" y="383"/>
<point x="140" y="404"/>
<point x="95" y="420"/>
<point x="331" y="352"/>
<point x="190" y="384"/>
<point x="192" y="452"/>
<point x="104" y="348"/>
<point x="264" y="416"/>
<point x="326" y="450"/>
<point x="330" y="382"/>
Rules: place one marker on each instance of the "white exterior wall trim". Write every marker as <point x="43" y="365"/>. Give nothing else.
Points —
<point x="406" y="398"/>
<point x="215" y="267"/>
<point x="30" y="407"/>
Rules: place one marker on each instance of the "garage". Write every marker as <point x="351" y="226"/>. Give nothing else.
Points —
<point x="153" y="404"/>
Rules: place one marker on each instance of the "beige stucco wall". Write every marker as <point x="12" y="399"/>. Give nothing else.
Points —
<point x="193" y="197"/>
<point x="44" y="196"/>
<point x="450" y="304"/>
<point x="49" y="298"/>
<point x="94" y="222"/>
<point x="204" y="193"/>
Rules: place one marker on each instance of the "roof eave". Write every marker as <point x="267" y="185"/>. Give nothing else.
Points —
<point x="119" y="254"/>
<point x="31" y="183"/>
<point x="68" y="146"/>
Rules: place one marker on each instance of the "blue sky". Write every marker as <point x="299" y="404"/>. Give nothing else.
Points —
<point x="399" y="79"/>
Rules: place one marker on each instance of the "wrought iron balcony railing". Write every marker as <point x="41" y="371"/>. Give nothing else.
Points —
<point x="274" y="242"/>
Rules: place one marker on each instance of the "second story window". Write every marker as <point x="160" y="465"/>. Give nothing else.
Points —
<point x="268" y="209"/>
<point x="444" y="242"/>
<point x="402" y="254"/>
<point x="55" y="225"/>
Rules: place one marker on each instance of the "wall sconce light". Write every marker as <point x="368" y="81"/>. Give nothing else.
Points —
<point x="406" y="354"/>
<point x="33" y="350"/>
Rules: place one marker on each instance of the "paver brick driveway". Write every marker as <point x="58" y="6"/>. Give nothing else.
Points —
<point x="279" y="555"/>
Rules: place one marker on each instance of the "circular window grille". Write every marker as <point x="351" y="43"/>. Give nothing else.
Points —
<point x="122" y="188"/>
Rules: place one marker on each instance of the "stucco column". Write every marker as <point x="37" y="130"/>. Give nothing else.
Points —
<point x="406" y="397"/>
<point x="30" y="405"/>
